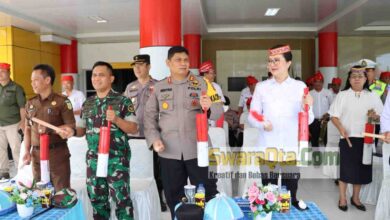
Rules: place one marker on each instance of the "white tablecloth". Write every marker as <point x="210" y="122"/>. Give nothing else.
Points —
<point x="382" y="211"/>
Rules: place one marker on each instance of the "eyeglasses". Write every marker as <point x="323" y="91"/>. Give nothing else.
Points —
<point x="275" y="61"/>
<point x="356" y="77"/>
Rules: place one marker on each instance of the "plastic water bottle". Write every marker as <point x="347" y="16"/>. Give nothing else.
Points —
<point x="200" y="196"/>
<point x="51" y="188"/>
<point x="286" y="200"/>
<point x="48" y="194"/>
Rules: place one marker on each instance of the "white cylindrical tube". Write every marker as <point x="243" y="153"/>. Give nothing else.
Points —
<point x="102" y="165"/>
<point x="203" y="154"/>
<point x="45" y="173"/>
<point x="367" y="154"/>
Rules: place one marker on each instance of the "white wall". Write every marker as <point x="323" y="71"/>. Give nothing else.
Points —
<point x="353" y="49"/>
<point x="88" y="54"/>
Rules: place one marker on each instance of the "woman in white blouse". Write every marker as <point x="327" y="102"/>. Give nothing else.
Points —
<point x="280" y="99"/>
<point x="349" y="114"/>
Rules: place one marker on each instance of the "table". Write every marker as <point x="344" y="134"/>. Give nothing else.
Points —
<point x="76" y="212"/>
<point x="312" y="213"/>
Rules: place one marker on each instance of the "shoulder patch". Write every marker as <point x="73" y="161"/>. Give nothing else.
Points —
<point x="68" y="104"/>
<point x="131" y="108"/>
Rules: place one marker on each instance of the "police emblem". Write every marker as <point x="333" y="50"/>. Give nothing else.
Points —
<point x="364" y="63"/>
<point x="165" y="105"/>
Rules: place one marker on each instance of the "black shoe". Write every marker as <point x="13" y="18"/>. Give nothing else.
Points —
<point x="336" y="181"/>
<point x="296" y="205"/>
<point x="343" y="208"/>
<point x="360" y="207"/>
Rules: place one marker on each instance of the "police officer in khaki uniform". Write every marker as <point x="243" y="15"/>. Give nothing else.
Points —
<point x="170" y="126"/>
<point x="139" y="91"/>
<point x="12" y="102"/>
<point x="56" y="110"/>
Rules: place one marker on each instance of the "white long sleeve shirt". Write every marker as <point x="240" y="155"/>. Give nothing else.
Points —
<point x="351" y="108"/>
<point x="280" y="104"/>
<point x="385" y="116"/>
<point x="77" y="98"/>
<point x="322" y="101"/>
<point x="245" y="95"/>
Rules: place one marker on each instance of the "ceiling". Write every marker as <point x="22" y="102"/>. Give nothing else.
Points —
<point x="211" y="18"/>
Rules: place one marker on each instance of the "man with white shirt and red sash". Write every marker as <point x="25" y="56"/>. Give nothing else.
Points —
<point x="322" y="100"/>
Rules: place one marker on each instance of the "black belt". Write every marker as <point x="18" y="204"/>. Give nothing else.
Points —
<point x="131" y="137"/>
<point x="51" y="146"/>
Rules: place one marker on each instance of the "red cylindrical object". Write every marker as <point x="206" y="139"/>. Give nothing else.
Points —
<point x="303" y="126"/>
<point x="192" y="43"/>
<point x="160" y="23"/>
<point x="202" y="127"/>
<point x="104" y="137"/>
<point x="369" y="128"/>
<point x="104" y="140"/>
<point x="303" y="121"/>
<point x="68" y="55"/>
<point x="44" y="142"/>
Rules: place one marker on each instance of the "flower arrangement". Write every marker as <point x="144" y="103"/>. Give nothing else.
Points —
<point x="26" y="194"/>
<point x="263" y="199"/>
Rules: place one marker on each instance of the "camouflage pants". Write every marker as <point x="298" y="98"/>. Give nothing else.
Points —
<point x="115" y="186"/>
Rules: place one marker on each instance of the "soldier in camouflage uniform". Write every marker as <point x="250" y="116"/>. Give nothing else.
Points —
<point x="95" y="114"/>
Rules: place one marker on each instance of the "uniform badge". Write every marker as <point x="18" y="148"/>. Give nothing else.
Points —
<point x="195" y="83"/>
<point x="53" y="103"/>
<point x="68" y="104"/>
<point x="131" y="108"/>
<point x="194" y="103"/>
<point x="134" y="87"/>
<point x="165" y="96"/>
<point x="165" y="105"/>
<point x="194" y="95"/>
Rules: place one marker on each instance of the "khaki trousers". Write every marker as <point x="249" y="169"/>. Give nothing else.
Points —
<point x="9" y="134"/>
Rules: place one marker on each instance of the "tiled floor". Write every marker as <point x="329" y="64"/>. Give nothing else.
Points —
<point x="324" y="193"/>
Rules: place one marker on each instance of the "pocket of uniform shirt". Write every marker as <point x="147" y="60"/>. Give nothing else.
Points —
<point x="166" y="105"/>
<point x="54" y="113"/>
<point x="166" y="101"/>
<point x="9" y="93"/>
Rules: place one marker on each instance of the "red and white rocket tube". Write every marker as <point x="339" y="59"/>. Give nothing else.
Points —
<point x="202" y="138"/>
<point x="44" y="156"/>
<point x="368" y="146"/>
<point x="303" y="127"/>
<point x="103" y="149"/>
